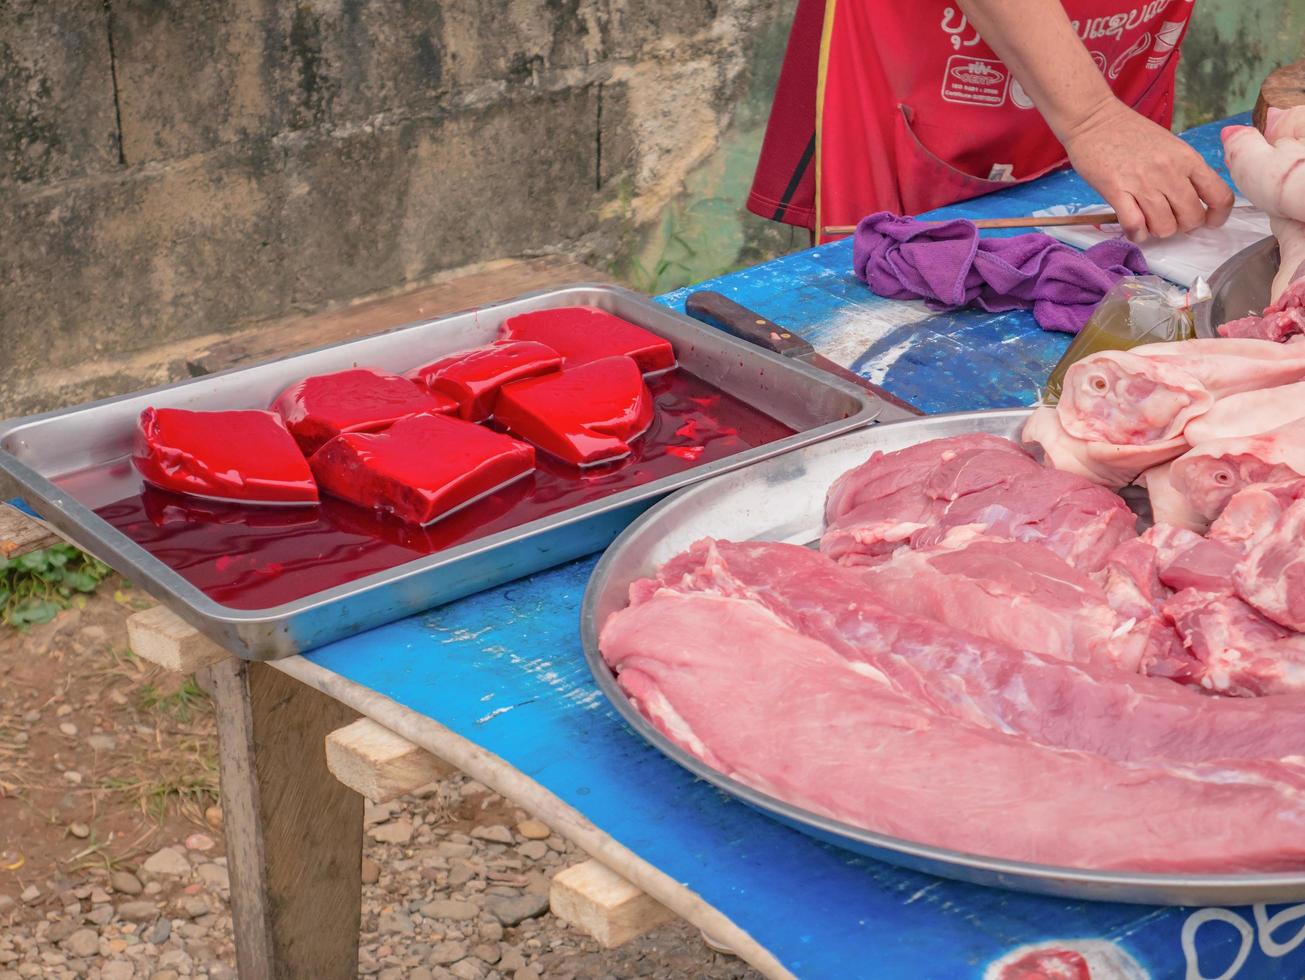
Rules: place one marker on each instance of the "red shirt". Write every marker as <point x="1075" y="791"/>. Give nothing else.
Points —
<point x="901" y="106"/>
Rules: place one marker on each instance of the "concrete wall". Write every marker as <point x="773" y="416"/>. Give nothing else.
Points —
<point x="172" y="168"/>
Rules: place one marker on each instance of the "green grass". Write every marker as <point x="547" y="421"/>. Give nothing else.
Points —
<point x="35" y="586"/>
<point x="178" y="704"/>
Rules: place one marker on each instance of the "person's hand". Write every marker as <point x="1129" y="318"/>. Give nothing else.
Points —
<point x="1156" y="183"/>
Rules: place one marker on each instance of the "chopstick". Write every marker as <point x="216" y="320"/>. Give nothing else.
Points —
<point x="1027" y="221"/>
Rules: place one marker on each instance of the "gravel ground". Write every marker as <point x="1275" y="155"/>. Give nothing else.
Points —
<point x="111" y="852"/>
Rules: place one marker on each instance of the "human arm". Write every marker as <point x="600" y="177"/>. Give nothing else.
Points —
<point x="1155" y="182"/>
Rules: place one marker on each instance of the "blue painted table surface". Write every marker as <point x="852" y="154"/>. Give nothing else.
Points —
<point x="504" y="669"/>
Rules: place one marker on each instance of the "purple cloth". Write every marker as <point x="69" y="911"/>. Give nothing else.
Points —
<point x="947" y="264"/>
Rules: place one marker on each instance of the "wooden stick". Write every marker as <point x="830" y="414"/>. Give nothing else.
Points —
<point x="1028" y="221"/>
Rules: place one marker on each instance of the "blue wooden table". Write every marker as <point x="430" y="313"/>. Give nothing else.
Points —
<point x="503" y="671"/>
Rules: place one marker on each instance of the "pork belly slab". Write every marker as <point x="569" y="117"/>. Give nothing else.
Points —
<point x="781" y="711"/>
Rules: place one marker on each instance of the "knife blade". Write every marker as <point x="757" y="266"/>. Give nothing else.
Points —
<point x="722" y="312"/>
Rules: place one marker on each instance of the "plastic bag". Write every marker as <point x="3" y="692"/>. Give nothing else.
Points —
<point x="1137" y="310"/>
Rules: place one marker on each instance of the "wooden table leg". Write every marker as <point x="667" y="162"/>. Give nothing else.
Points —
<point x="293" y="832"/>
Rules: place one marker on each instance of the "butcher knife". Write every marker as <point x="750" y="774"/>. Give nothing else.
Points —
<point x="725" y="314"/>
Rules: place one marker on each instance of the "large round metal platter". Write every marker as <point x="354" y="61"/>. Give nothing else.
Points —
<point x="1239" y="287"/>
<point x="782" y="499"/>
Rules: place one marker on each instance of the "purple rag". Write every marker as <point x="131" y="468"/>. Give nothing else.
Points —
<point x="947" y="264"/>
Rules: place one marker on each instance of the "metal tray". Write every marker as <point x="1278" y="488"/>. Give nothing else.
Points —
<point x="783" y="500"/>
<point x="1239" y="287"/>
<point x="36" y="449"/>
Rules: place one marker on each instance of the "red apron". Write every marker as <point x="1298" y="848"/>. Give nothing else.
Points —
<point x="911" y="110"/>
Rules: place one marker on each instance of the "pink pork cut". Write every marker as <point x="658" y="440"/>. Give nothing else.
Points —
<point x="915" y="495"/>
<point x="1014" y="592"/>
<point x="1249" y="413"/>
<point x="1240" y="652"/>
<point x="782" y="712"/>
<point x="1272" y="575"/>
<point x="1209" y="474"/>
<point x="1186" y="560"/>
<point x="1090" y="707"/>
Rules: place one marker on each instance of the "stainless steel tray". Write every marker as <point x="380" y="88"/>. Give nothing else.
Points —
<point x="1239" y="287"/>
<point x="783" y="499"/>
<point x="36" y="449"/>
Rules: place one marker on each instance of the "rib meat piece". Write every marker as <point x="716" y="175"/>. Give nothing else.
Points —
<point x="1240" y="652"/>
<point x="782" y="712"/>
<point x="915" y="495"/>
<point x="1089" y="706"/>
<point x="245" y="456"/>
<point x="1272" y="575"/>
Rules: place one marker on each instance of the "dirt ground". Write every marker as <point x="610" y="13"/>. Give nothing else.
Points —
<point x="111" y="854"/>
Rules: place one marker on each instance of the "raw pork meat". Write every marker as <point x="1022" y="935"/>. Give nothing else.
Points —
<point x="583" y="415"/>
<point x="1241" y="652"/>
<point x="1272" y="575"/>
<point x="1091" y="707"/>
<point x="1186" y="560"/>
<point x="1208" y="475"/>
<point x="582" y="334"/>
<point x="1252" y="513"/>
<point x="916" y="494"/>
<point x="318" y="409"/>
<point x="1270" y="175"/>
<point x="473" y="378"/>
<point x="245" y="456"/>
<point x="1103" y="463"/>
<point x="1010" y="591"/>
<point x="1168" y="506"/>
<point x="421" y="468"/>
<point x="1130" y="400"/>
<point x="1249" y="413"/>
<point x="782" y="712"/>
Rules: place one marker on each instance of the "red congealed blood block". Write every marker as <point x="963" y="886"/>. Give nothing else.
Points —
<point x="582" y="334"/>
<point x="318" y="409"/>
<point x="421" y="468"/>
<point x="584" y="415"/>
<point x="473" y="377"/>
<point x="245" y="456"/>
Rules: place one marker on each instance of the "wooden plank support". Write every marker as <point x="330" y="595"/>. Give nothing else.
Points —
<point x="21" y="533"/>
<point x="600" y="903"/>
<point x="374" y="762"/>
<point x="161" y="637"/>
<point x="294" y="834"/>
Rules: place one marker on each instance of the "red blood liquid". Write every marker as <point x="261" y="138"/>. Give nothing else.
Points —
<point x="255" y="558"/>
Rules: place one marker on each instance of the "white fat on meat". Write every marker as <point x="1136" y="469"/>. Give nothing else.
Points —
<point x="1272" y="575"/>
<point x="1249" y="413"/>
<point x="1240" y="651"/>
<point x="1106" y="464"/>
<point x="1208" y="475"/>
<point x="776" y="709"/>
<point x="1168" y="506"/>
<point x="1123" y="398"/>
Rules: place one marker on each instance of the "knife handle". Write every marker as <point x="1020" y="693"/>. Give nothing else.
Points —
<point x="738" y="321"/>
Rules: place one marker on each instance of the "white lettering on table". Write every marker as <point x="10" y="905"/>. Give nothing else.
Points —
<point x="1263" y="930"/>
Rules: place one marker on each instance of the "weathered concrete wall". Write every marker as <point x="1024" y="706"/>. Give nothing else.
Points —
<point x="1231" y="46"/>
<point x="173" y="168"/>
